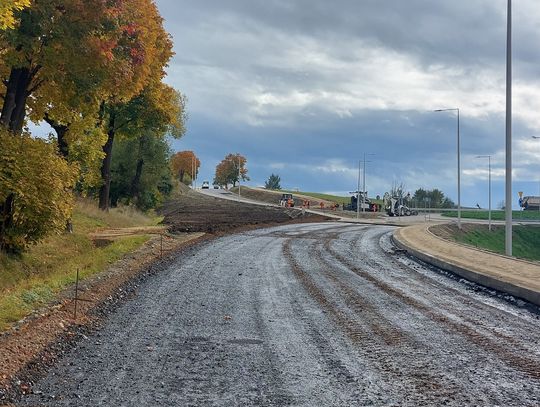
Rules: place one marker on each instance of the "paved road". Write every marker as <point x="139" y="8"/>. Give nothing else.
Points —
<point x="303" y="315"/>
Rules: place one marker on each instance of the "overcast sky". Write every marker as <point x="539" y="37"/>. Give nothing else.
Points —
<point x="303" y="88"/>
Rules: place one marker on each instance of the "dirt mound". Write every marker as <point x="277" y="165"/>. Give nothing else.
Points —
<point x="195" y="212"/>
<point x="274" y="196"/>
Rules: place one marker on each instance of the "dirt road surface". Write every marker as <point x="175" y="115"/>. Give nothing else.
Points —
<point x="303" y="315"/>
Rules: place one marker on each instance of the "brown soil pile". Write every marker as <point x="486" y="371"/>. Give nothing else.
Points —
<point x="194" y="212"/>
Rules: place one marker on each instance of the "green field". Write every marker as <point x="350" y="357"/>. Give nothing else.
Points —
<point x="526" y="240"/>
<point x="495" y="215"/>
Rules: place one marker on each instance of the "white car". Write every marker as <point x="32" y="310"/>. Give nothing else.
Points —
<point x="205" y="185"/>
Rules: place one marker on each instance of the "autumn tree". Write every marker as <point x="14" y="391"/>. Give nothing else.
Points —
<point x="185" y="164"/>
<point x="158" y="110"/>
<point x="7" y="12"/>
<point x="230" y="170"/>
<point x="39" y="52"/>
<point x="39" y="182"/>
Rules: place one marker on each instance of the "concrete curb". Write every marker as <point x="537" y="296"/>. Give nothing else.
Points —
<point x="471" y="275"/>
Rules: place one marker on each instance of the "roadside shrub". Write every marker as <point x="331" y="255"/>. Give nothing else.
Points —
<point x="37" y="184"/>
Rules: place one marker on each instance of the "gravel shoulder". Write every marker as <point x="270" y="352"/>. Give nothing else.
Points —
<point x="318" y="314"/>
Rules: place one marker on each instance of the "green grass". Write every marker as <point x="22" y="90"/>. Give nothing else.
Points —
<point x="495" y="215"/>
<point x="526" y="240"/>
<point x="32" y="279"/>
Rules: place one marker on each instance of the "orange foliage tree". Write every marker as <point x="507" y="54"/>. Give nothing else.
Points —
<point x="230" y="170"/>
<point x="185" y="163"/>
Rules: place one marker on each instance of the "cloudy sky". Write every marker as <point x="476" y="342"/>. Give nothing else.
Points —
<point x="305" y="88"/>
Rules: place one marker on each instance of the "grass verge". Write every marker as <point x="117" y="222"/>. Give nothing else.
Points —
<point x="495" y="215"/>
<point x="30" y="280"/>
<point x="526" y="240"/>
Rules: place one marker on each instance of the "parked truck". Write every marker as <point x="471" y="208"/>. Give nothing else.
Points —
<point x="530" y="203"/>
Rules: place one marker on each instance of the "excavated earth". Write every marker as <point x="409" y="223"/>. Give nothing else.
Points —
<point x="194" y="212"/>
<point x="322" y="314"/>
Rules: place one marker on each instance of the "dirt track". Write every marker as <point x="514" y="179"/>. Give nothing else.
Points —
<point x="303" y="315"/>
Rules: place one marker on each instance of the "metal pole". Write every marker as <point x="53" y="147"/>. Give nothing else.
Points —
<point x="489" y="169"/>
<point x="538" y="138"/>
<point x="358" y="193"/>
<point x="364" y="185"/>
<point x="508" y="197"/>
<point x="458" y="162"/>
<point x="458" y="173"/>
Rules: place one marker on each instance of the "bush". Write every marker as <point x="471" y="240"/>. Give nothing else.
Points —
<point x="39" y="183"/>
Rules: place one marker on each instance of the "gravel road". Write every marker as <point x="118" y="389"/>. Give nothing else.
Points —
<point x="303" y="315"/>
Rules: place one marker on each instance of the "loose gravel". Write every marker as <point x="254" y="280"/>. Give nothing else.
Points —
<point x="303" y="315"/>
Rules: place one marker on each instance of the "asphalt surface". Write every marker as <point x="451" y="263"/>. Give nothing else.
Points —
<point x="303" y="315"/>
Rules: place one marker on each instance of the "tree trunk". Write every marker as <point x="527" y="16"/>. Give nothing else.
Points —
<point x="105" y="189"/>
<point x="9" y="97"/>
<point x="19" y="112"/>
<point x="6" y="212"/>
<point x="61" y="131"/>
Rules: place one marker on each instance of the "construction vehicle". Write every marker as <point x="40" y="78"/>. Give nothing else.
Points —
<point x="365" y="203"/>
<point x="530" y="203"/>
<point x="286" y="200"/>
<point x="395" y="207"/>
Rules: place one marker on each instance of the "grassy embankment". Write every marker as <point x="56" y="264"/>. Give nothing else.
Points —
<point x="526" y="240"/>
<point x="32" y="279"/>
<point x="495" y="215"/>
<point x="333" y="198"/>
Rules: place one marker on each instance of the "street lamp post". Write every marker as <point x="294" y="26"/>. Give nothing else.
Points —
<point x="489" y="188"/>
<point x="538" y="138"/>
<point x="456" y="109"/>
<point x="508" y="187"/>
<point x="363" y="185"/>
<point x="358" y="193"/>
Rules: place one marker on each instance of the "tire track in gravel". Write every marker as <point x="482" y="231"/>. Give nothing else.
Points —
<point x="519" y="362"/>
<point x="374" y="348"/>
<point x="422" y="282"/>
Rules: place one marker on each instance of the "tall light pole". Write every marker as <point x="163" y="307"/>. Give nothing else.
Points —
<point x="358" y="192"/>
<point x="489" y="188"/>
<point x="508" y="188"/>
<point x="538" y="138"/>
<point x="456" y="109"/>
